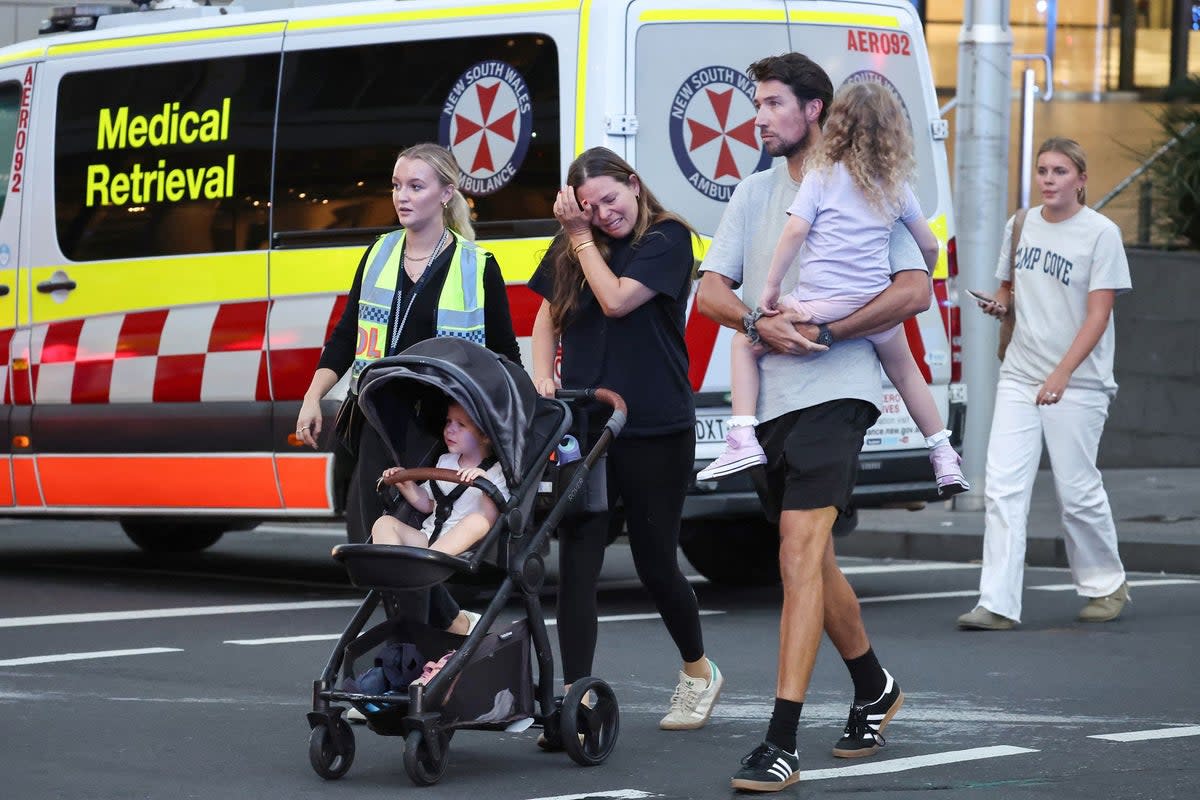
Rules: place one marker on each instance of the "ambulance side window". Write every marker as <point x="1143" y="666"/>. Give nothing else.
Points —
<point x="10" y="104"/>
<point x="165" y="159"/>
<point x="346" y="112"/>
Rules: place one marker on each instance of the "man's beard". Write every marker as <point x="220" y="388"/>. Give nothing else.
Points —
<point x="782" y="149"/>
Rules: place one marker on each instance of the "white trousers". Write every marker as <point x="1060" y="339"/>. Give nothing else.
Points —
<point x="1072" y="429"/>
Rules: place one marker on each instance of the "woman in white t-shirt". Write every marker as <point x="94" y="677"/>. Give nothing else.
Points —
<point x="855" y="190"/>
<point x="1056" y="382"/>
<point x="454" y="523"/>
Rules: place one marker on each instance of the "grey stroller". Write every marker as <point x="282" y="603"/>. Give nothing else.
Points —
<point x="485" y="680"/>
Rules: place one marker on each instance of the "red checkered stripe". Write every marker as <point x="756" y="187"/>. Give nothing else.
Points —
<point x="211" y="352"/>
<point x="255" y="350"/>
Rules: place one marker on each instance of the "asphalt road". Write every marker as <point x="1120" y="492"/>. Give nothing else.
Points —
<point x="123" y="676"/>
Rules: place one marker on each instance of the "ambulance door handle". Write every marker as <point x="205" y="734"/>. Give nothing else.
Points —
<point x="59" y="282"/>
<point x="4" y="290"/>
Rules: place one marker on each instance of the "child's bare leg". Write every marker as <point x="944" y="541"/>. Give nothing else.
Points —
<point x="389" y="530"/>
<point x="463" y="536"/>
<point x="742" y="449"/>
<point x="743" y="376"/>
<point x="905" y="375"/>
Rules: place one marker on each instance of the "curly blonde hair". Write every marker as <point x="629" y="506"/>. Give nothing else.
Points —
<point x="868" y="133"/>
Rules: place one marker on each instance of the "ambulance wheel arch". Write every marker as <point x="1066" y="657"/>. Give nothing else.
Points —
<point x="164" y="536"/>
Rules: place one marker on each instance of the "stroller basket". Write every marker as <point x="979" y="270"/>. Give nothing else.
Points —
<point x="494" y="688"/>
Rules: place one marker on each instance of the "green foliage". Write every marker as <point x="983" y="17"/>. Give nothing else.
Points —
<point x="1176" y="174"/>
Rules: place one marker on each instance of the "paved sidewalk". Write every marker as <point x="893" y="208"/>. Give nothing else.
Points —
<point x="1157" y="514"/>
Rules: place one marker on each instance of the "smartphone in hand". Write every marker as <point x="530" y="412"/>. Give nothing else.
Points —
<point x="983" y="298"/>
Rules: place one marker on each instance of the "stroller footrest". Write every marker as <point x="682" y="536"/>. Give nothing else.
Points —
<point x="390" y="566"/>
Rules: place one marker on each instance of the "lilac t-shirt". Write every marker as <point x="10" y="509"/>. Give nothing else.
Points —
<point x="846" y="252"/>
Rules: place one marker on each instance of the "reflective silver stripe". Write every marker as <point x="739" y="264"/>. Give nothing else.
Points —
<point x="451" y="319"/>
<point x="470" y="276"/>
<point x="369" y="292"/>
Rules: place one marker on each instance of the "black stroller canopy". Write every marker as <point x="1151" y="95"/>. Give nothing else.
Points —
<point x="496" y="393"/>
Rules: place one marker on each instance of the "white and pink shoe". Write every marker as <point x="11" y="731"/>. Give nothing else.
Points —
<point x="742" y="451"/>
<point x="947" y="467"/>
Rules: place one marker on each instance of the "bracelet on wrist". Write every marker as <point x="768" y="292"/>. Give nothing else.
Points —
<point x="750" y="325"/>
<point x="583" y="246"/>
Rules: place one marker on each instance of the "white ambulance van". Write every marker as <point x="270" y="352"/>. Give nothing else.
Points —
<point x="190" y="192"/>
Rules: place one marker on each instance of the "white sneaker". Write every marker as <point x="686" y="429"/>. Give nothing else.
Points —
<point x="472" y="620"/>
<point x="693" y="701"/>
<point x="356" y="716"/>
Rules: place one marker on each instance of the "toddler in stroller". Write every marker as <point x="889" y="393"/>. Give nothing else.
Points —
<point x="487" y="683"/>
<point x="458" y="516"/>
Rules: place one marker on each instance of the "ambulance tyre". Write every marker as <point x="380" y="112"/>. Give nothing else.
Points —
<point x="735" y="551"/>
<point x="167" y="536"/>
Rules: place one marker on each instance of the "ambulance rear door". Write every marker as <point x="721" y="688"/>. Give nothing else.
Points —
<point x="149" y="270"/>
<point x="16" y="85"/>
<point x="696" y="140"/>
<point x="882" y="43"/>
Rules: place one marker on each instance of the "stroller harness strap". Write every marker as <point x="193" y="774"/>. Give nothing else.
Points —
<point x="444" y="501"/>
<point x="460" y="308"/>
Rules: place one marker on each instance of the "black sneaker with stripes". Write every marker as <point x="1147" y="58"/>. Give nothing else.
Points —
<point x="767" y="769"/>
<point x="863" y="735"/>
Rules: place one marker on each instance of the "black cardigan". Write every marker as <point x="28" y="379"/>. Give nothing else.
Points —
<point x="338" y="354"/>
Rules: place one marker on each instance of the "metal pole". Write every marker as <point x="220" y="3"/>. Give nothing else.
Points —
<point x="1028" y="93"/>
<point x="1181" y="25"/>
<point x="981" y="157"/>
<point x="1129" y="22"/>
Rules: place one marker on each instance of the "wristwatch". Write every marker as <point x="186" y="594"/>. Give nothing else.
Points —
<point x="824" y="335"/>
<point x="749" y="325"/>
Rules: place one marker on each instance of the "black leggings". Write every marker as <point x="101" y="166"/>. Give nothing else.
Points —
<point x="651" y="476"/>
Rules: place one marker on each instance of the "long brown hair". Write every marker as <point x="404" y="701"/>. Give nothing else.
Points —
<point x="868" y="133"/>
<point x="599" y="162"/>
<point x="1074" y="152"/>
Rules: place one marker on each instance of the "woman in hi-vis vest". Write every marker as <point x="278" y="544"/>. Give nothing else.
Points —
<point x="402" y="294"/>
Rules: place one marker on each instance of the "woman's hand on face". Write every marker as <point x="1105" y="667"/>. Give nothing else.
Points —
<point x="308" y="423"/>
<point x="575" y="219"/>
<point x="545" y="387"/>
<point x="1054" y="387"/>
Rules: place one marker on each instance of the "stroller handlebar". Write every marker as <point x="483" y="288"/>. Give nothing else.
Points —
<point x="606" y="396"/>
<point x="422" y="474"/>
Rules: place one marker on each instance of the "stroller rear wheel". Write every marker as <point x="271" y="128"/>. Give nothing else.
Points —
<point x="330" y="753"/>
<point x="422" y="768"/>
<point x="590" y="722"/>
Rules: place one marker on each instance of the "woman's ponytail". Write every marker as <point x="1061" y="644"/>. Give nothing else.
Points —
<point x="457" y="216"/>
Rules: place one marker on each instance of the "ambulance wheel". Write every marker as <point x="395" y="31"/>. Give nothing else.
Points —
<point x="324" y="754"/>
<point x="168" y="536"/>
<point x="422" y="768"/>
<point x="590" y="722"/>
<point x="732" y="551"/>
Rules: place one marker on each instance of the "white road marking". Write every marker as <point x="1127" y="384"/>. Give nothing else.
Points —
<point x="145" y="651"/>
<point x="1070" y="587"/>
<point x="312" y="637"/>
<point x="164" y="613"/>
<point x="325" y="637"/>
<point x="913" y="762"/>
<point x="928" y="566"/>
<point x="328" y="531"/>
<point x="615" y="794"/>
<point x="895" y="598"/>
<point x="1140" y="736"/>
<point x="213" y="576"/>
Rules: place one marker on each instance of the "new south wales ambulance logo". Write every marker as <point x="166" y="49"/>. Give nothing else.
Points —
<point x="871" y="76"/>
<point x="487" y="122"/>
<point x="712" y="131"/>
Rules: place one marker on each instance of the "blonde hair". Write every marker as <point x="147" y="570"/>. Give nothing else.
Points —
<point x="1074" y="152"/>
<point x="868" y="133"/>
<point x="456" y="214"/>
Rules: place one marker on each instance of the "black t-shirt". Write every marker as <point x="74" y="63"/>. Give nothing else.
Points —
<point x="422" y="318"/>
<point x="642" y="355"/>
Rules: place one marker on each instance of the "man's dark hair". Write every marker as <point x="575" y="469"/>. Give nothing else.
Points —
<point x="801" y="74"/>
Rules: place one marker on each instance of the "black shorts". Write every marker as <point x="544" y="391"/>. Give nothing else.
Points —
<point x="812" y="455"/>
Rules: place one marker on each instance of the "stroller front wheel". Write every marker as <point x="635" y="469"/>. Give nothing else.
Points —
<point x="590" y="722"/>
<point x="331" y="753"/>
<point x="419" y="762"/>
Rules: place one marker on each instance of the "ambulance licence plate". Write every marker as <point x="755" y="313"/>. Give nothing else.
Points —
<point x="710" y="426"/>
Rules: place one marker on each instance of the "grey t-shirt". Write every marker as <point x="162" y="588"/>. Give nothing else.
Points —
<point x="741" y="251"/>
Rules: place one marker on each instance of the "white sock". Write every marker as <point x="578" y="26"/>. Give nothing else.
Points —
<point x="741" y="422"/>
<point x="941" y="437"/>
